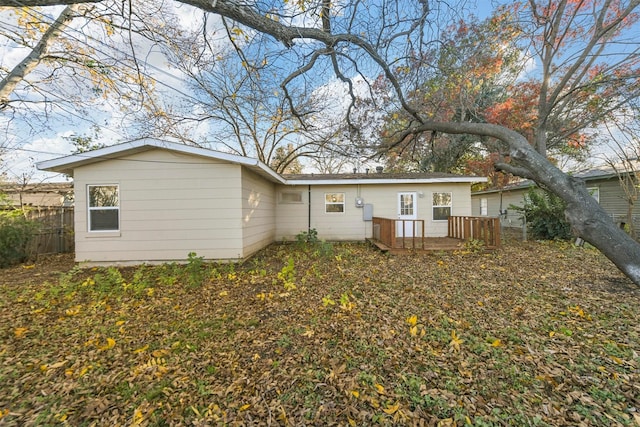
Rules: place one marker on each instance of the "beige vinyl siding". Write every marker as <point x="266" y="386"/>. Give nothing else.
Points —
<point x="293" y="218"/>
<point x="170" y="204"/>
<point x="496" y="200"/>
<point x="614" y="200"/>
<point x="258" y="212"/>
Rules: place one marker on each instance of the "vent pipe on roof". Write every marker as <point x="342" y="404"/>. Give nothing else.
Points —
<point x="366" y="171"/>
<point x="355" y="170"/>
<point x="379" y="169"/>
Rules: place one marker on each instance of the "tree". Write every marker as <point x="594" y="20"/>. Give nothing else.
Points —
<point x="471" y="69"/>
<point x="588" y="68"/>
<point x="78" y="65"/>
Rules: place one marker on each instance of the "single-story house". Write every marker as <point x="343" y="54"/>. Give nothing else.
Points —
<point x="152" y="201"/>
<point x="38" y="195"/>
<point x="603" y="183"/>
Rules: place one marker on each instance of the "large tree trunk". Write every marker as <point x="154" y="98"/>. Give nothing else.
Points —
<point x="586" y="216"/>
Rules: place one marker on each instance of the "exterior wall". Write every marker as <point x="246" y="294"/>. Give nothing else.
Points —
<point x="258" y="212"/>
<point x="501" y="200"/>
<point x="610" y="195"/>
<point x="613" y="199"/>
<point x="296" y="217"/>
<point x="170" y="204"/>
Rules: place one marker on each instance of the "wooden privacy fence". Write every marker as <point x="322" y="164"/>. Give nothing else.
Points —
<point x="55" y="234"/>
<point x="482" y="228"/>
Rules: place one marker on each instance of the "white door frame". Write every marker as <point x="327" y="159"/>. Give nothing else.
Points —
<point x="407" y="209"/>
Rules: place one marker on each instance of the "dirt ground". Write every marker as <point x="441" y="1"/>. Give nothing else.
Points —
<point x="45" y="268"/>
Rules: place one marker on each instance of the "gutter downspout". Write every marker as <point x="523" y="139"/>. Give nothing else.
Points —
<point x="309" y="213"/>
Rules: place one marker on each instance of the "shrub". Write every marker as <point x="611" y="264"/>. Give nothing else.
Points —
<point x="544" y="213"/>
<point x="16" y="233"/>
<point x="310" y="237"/>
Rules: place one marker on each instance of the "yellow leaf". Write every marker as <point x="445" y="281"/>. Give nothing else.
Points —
<point x="68" y="372"/>
<point x="223" y="293"/>
<point x="391" y="409"/>
<point x="413" y="331"/>
<point x="20" y="332"/>
<point x="413" y="320"/>
<point x="43" y="368"/>
<point x="355" y="393"/>
<point x="244" y="407"/>
<point x="27" y="267"/>
<point x="455" y="341"/>
<point x="120" y="322"/>
<point x="551" y="334"/>
<point x="138" y="417"/>
<point x="73" y="311"/>
<point x="141" y="349"/>
<point x="110" y="344"/>
<point x="496" y="343"/>
<point x="160" y="353"/>
<point x="84" y="370"/>
<point x="379" y="388"/>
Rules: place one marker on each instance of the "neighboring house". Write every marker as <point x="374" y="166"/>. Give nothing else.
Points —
<point x="603" y="183"/>
<point x="156" y="201"/>
<point x="39" y="195"/>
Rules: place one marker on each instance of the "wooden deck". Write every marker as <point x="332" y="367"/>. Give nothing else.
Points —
<point x="431" y="244"/>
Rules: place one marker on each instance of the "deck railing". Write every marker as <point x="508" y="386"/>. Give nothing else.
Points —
<point x="399" y="233"/>
<point x="482" y="228"/>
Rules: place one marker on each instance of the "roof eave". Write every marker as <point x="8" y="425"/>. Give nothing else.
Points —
<point x="369" y="181"/>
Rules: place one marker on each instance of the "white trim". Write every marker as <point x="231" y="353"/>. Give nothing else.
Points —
<point x="103" y="208"/>
<point x="433" y="207"/>
<point x="343" y="203"/>
<point x="364" y="181"/>
<point x="68" y="163"/>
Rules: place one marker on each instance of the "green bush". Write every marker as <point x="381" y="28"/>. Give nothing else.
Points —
<point x="544" y="212"/>
<point x="16" y="232"/>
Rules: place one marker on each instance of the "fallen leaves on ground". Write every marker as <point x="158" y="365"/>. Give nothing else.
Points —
<point x="532" y="334"/>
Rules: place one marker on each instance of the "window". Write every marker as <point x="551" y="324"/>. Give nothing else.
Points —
<point x="291" y="197"/>
<point x="484" y="206"/>
<point x="595" y="192"/>
<point x="104" y="208"/>
<point x="406" y="204"/>
<point x="441" y="206"/>
<point x="334" y="202"/>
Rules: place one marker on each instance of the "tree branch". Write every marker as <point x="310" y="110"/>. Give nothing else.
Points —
<point x="18" y="73"/>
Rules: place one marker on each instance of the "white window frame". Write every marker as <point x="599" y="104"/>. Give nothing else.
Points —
<point x="91" y="209"/>
<point x="595" y="192"/>
<point x="336" y="202"/>
<point x="291" y="197"/>
<point x="484" y="206"/>
<point x="435" y="206"/>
